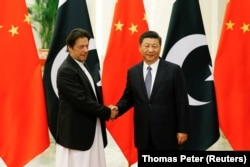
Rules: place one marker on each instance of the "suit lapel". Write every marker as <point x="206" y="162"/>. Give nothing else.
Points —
<point x="85" y="78"/>
<point x="79" y="69"/>
<point x="139" y="79"/>
<point x="160" y="75"/>
<point x="97" y="89"/>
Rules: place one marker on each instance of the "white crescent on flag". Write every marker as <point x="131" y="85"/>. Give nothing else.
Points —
<point x="194" y="41"/>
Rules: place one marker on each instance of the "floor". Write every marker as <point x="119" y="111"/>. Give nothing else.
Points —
<point x="114" y="158"/>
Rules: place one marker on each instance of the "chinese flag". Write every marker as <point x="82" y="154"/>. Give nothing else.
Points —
<point x="129" y="22"/>
<point x="23" y="120"/>
<point x="232" y="75"/>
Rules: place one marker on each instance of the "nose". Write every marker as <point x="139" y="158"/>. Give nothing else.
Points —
<point x="150" y="49"/>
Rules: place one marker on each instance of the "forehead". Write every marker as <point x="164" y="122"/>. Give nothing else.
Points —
<point x="150" y="41"/>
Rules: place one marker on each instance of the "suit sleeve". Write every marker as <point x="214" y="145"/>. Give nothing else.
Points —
<point x="182" y="104"/>
<point x="126" y="100"/>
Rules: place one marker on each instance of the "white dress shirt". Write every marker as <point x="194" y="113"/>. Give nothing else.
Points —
<point x="154" y="68"/>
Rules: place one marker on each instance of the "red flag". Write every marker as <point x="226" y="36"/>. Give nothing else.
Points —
<point x="129" y="22"/>
<point x="23" y="120"/>
<point x="232" y="75"/>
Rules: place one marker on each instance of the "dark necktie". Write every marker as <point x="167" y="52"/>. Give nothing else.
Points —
<point x="148" y="80"/>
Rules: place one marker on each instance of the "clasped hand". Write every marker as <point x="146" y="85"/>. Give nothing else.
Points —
<point x="114" y="112"/>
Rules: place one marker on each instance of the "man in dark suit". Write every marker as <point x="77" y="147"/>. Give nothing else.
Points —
<point x="161" y="111"/>
<point x="81" y="132"/>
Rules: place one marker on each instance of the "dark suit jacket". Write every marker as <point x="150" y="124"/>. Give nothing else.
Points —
<point x="165" y="113"/>
<point x="78" y="108"/>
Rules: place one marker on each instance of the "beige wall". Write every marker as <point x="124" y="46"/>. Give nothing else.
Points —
<point x="213" y="15"/>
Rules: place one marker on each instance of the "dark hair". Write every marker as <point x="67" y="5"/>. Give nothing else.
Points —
<point x="150" y="34"/>
<point x="75" y="34"/>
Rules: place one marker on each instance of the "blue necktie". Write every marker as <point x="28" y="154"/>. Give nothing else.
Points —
<point x="148" y="80"/>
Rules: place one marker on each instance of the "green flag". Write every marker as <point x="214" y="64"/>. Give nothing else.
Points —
<point x="186" y="45"/>
<point x="71" y="14"/>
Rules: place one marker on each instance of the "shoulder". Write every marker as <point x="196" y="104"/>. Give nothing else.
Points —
<point x="68" y="65"/>
<point x="168" y="63"/>
<point x="170" y="68"/>
<point x="136" y="67"/>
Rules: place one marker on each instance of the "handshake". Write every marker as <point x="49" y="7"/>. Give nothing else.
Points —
<point x="114" y="112"/>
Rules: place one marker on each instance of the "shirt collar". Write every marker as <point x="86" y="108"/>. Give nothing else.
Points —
<point x="153" y="66"/>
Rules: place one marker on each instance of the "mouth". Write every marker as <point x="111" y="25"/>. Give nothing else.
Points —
<point x="150" y="55"/>
<point x="84" y="55"/>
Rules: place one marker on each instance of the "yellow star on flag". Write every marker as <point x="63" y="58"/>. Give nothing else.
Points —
<point x="245" y="27"/>
<point x="13" y="30"/>
<point x="133" y="28"/>
<point x="145" y="17"/>
<point x="27" y="19"/>
<point x="230" y="25"/>
<point x="119" y="26"/>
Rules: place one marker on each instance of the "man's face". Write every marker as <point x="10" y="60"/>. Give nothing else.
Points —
<point x="80" y="50"/>
<point x="150" y="50"/>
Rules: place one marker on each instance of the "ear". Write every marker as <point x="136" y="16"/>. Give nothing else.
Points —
<point x="69" y="48"/>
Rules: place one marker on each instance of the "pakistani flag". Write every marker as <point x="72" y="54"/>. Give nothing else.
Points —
<point x="186" y="45"/>
<point x="71" y="14"/>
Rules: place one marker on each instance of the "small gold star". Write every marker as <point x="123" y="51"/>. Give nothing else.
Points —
<point x="230" y="25"/>
<point x="118" y="26"/>
<point x="145" y="17"/>
<point x="13" y="30"/>
<point x="1" y="26"/>
<point x="27" y="19"/>
<point x="133" y="28"/>
<point x="245" y="27"/>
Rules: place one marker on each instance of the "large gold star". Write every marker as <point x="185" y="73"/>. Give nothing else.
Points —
<point x="13" y="30"/>
<point x="27" y="19"/>
<point x="118" y="26"/>
<point x="133" y="28"/>
<point x="230" y="25"/>
<point x="245" y="27"/>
